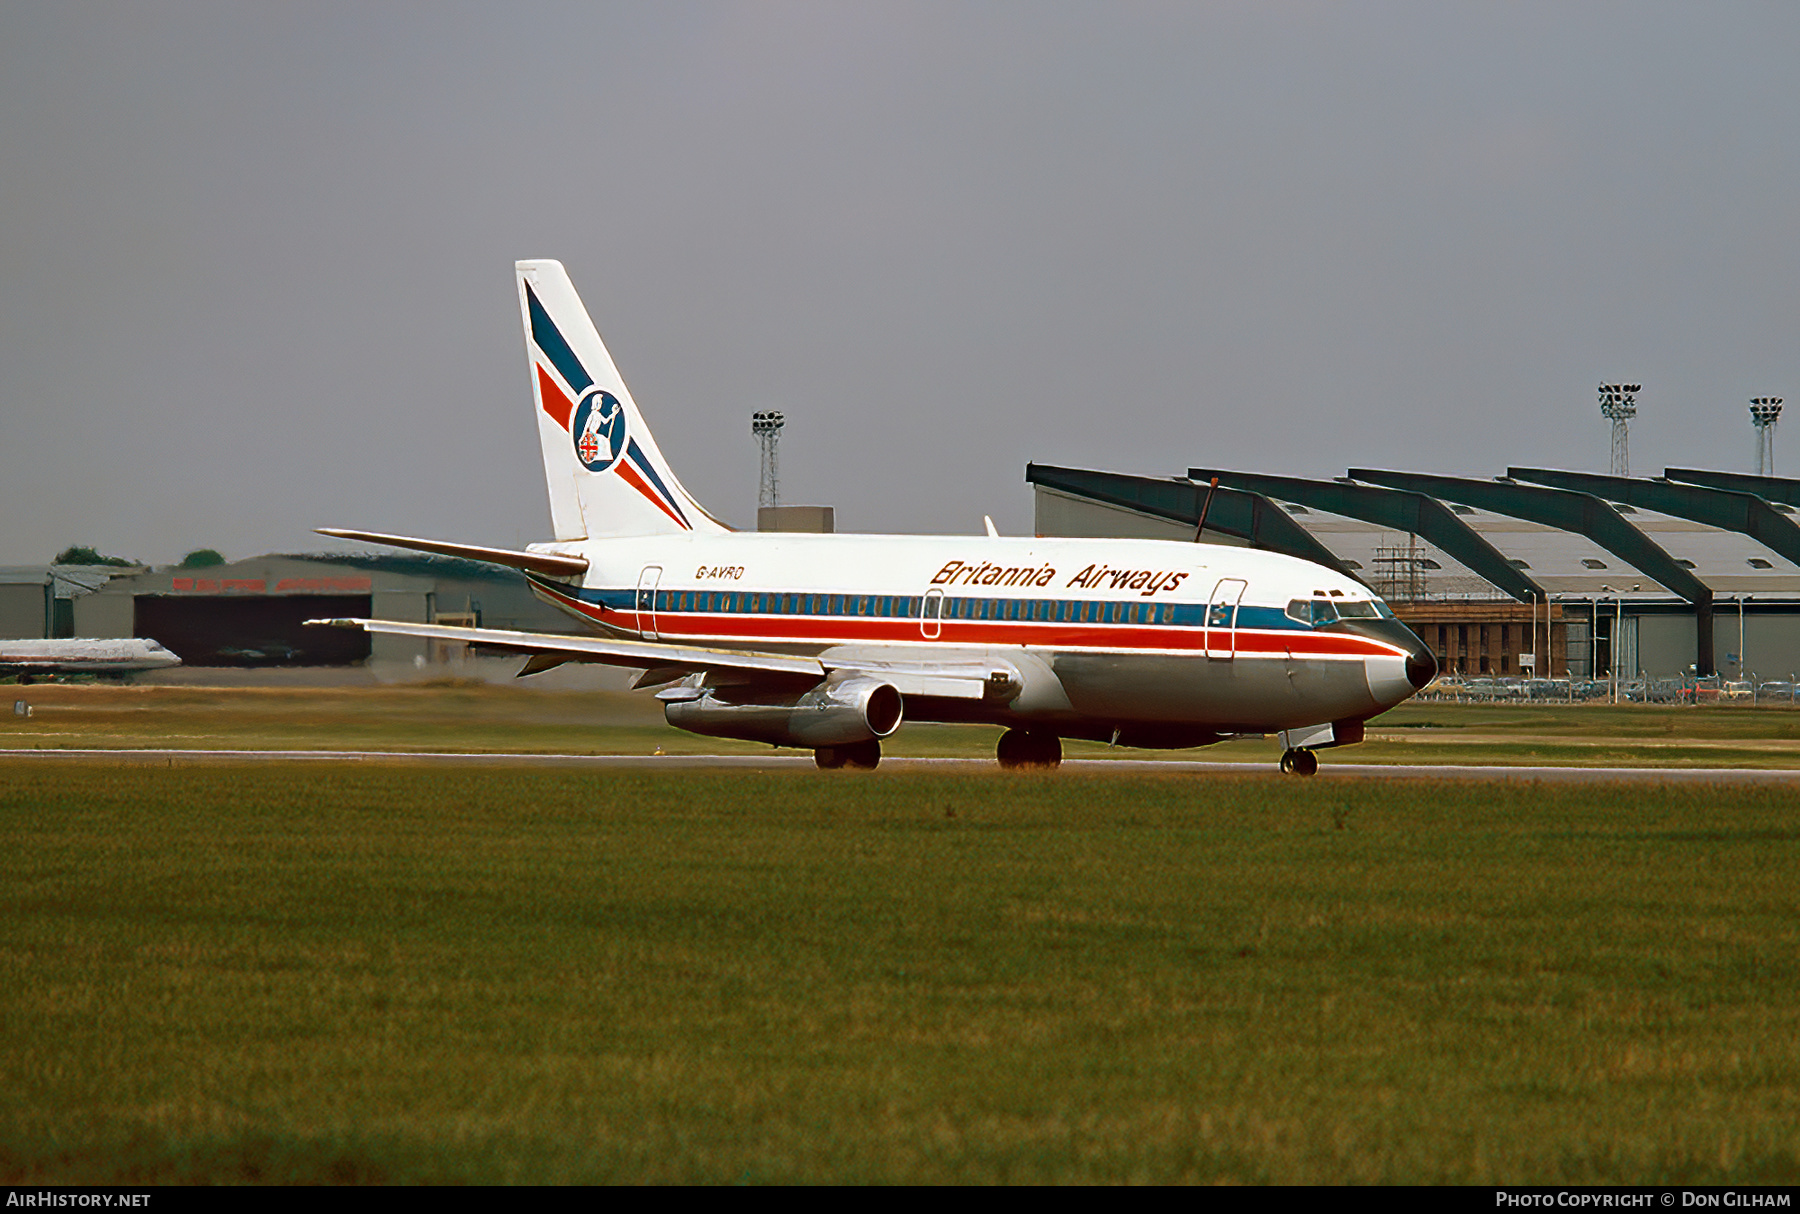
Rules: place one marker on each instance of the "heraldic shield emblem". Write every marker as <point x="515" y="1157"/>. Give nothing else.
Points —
<point x="599" y="430"/>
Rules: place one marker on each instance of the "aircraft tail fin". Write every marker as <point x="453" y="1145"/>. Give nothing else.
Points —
<point x="607" y="477"/>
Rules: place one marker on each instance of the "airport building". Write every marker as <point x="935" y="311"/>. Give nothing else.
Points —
<point x="1538" y="572"/>
<point x="253" y="612"/>
<point x="38" y="601"/>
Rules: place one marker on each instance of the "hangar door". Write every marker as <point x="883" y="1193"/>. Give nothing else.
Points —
<point x="250" y="630"/>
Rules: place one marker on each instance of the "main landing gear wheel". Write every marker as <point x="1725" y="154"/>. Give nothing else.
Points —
<point x="1028" y="748"/>
<point x="863" y="755"/>
<point x="1299" y="762"/>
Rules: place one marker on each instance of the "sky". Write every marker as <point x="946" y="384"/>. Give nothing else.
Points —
<point x="256" y="259"/>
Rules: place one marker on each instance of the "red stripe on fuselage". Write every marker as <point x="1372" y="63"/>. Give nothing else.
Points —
<point x="837" y="630"/>
<point x="831" y="630"/>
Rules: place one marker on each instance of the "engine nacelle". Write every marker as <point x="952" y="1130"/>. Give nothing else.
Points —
<point x="838" y="712"/>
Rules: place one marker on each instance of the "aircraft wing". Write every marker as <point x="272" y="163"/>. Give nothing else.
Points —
<point x="664" y="662"/>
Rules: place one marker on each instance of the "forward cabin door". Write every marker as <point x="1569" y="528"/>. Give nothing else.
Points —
<point x="646" y="601"/>
<point x="1221" y="618"/>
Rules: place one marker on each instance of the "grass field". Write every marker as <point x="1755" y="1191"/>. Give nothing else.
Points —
<point x="383" y="973"/>
<point x="477" y="717"/>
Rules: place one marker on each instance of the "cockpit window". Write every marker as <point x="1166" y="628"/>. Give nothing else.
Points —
<point x="1312" y="611"/>
<point x="1322" y="610"/>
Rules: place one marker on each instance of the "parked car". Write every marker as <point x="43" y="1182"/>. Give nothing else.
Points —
<point x="1775" y="691"/>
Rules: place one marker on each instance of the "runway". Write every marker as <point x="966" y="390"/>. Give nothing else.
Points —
<point x="972" y="766"/>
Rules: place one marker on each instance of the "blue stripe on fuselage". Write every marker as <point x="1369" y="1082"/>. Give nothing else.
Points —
<point x="1190" y="615"/>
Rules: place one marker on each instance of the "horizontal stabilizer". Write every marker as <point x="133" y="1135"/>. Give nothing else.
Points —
<point x="548" y="563"/>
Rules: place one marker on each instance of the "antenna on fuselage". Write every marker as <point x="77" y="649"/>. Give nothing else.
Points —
<point x="1201" y="525"/>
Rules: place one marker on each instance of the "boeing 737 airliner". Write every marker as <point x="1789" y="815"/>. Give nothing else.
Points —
<point x="829" y="642"/>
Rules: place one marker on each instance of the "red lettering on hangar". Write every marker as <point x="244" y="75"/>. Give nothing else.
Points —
<point x="341" y="584"/>
<point x="207" y="585"/>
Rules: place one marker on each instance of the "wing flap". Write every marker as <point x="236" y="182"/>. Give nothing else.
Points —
<point x="956" y="680"/>
<point x="604" y="651"/>
<point x="960" y="679"/>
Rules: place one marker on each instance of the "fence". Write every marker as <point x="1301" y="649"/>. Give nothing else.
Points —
<point x="1676" y="689"/>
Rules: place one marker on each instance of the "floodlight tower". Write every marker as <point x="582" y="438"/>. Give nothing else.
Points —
<point x="767" y="428"/>
<point x="1618" y="405"/>
<point x="1765" y="411"/>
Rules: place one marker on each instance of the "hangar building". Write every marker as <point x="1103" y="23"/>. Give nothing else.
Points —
<point x="1690" y="573"/>
<point x="252" y="612"/>
<point x="38" y="601"/>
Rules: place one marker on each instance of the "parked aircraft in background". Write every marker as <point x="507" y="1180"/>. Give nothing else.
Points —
<point x="829" y="642"/>
<point x="82" y="655"/>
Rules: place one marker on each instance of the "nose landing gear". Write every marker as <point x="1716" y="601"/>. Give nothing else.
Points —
<point x="1028" y="748"/>
<point x="1299" y="762"/>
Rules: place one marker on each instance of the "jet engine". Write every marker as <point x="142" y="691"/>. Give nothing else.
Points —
<point x="838" y="712"/>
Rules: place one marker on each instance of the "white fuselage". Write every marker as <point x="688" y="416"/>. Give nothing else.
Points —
<point x="1104" y="630"/>
<point x="106" y="655"/>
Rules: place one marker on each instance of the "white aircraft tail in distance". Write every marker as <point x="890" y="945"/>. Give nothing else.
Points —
<point x="831" y="642"/>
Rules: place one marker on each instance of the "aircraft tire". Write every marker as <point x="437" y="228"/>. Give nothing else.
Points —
<point x="1299" y="762"/>
<point x="1028" y="748"/>
<point x="865" y="756"/>
<point x="829" y="758"/>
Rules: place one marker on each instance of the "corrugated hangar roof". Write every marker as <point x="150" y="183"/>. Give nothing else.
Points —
<point x="1688" y="535"/>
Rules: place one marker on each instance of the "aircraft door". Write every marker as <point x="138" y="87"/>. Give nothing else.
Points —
<point x="1221" y="617"/>
<point x="646" y="601"/>
<point x="931" y="615"/>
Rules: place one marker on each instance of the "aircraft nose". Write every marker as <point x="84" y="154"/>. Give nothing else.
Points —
<point x="1398" y="676"/>
<point x="1421" y="666"/>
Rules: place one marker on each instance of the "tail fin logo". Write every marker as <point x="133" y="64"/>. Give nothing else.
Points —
<point x="596" y="424"/>
<point x="599" y="430"/>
